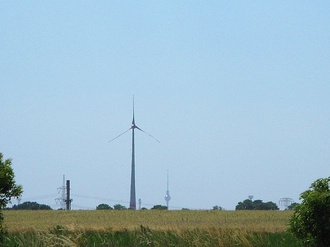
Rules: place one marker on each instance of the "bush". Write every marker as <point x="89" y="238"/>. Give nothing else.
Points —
<point x="8" y="188"/>
<point x="103" y="206"/>
<point x="30" y="206"/>
<point x="248" y="204"/>
<point x="310" y="221"/>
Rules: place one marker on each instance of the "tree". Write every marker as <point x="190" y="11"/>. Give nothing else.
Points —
<point x="271" y="206"/>
<point x="216" y="207"/>
<point x="103" y="207"/>
<point x="119" y="207"/>
<point x="248" y="204"/>
<point x="245" y="205"/>
<point x="31" y="206"/>
<point x="8" y="188"/>
<point x="310" y="221"/>
<point x="159" y="207"/>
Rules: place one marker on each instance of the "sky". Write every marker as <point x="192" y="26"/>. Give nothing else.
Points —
<point x="237" y="93"/>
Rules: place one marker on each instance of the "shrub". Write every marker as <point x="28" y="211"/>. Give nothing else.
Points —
<point x="310" y="221"/>
<point x="8" y="188"/>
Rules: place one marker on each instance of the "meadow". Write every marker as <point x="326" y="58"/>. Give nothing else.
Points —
<point x="148" y="228"/>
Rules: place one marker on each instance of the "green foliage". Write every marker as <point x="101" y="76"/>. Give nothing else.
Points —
<point x="248" y="204"/>
<point x="216" y="207"/>
<point x="30" y="206"/>
<point x="2" y="233"/>
<point x="159" y="207"/>
<point x="292" y="206"/>
<point x="245" y="205"/>
<point x="119" y="207"/>
<point x="144" y="236"/>
<point x="103" y="206"/>
<point x="8" y="187"/>
<point x="311" y="219"/>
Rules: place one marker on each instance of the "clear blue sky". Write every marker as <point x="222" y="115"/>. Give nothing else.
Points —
<point x="237" y="92"/>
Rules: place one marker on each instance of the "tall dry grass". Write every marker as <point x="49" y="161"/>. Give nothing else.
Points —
<point x="148" y="228"/>
<point x="99" y="220"/>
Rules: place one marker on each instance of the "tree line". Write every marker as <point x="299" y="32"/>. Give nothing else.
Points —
<point x="247" y="204"/>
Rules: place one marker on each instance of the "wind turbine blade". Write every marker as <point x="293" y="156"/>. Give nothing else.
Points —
<point x="147" y="133"/>
<point x="119" y="135"/>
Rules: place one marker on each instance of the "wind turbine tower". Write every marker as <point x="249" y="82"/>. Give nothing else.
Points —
<point x="167" y="196"/>
<point x="132" y="203"/>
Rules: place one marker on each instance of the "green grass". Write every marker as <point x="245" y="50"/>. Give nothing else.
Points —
<point x="146" y="237"/>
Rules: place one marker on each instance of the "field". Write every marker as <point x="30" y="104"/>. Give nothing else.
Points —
<point x="148" y="228"/>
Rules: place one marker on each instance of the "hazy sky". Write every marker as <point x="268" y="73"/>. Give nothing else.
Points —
<point x="237" y="92"/>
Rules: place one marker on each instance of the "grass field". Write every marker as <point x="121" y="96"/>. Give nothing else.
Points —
<point x="148" y="228"/>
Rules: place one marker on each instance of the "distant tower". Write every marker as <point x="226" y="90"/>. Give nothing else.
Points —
<point x="167" y="196"/>
<point x="140" y="202"/>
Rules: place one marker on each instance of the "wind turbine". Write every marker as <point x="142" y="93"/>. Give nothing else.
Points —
<point x="132" y="203"/>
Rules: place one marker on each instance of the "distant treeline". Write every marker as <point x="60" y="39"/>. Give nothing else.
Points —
<point x="30" y="206"/>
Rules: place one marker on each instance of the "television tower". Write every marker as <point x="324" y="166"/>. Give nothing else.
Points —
<point x="167" y="196"/>
<point x="132" y="204"/>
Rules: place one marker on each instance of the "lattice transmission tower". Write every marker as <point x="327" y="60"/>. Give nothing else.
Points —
<point x="286" y="202"/>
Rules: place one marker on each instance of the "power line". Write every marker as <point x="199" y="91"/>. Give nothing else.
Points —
<point x="40" y="197"/>
<point x="99" y="198"/>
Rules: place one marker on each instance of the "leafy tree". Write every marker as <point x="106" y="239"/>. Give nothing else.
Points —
<point x="8" y="188"/>
<point x="245" y="205"/>
<point x="271" y="206"/>
<point x="159" y="207"/>
<point x="310" y="221"/>
<point x="248" y="204"/>
<point x="31" y="206"/>
<point x="119" y="207"/>
<point x="103" y="207"/>
<point x="216" y="207"/>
